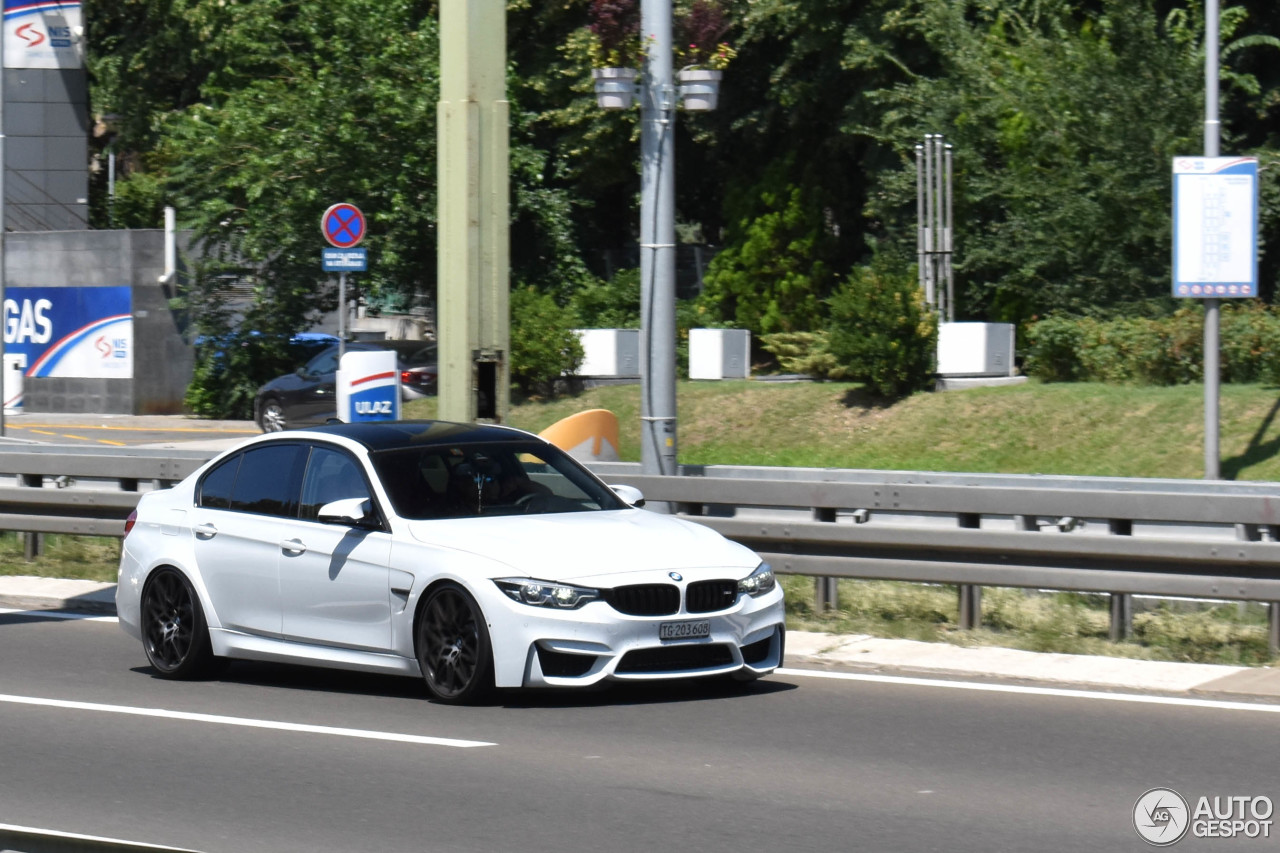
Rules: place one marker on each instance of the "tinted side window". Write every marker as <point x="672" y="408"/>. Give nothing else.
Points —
<point x="326" y="362"/>
<point x="215" y="489"/>
<point x="268" y="480"/>
<point x="331" y="476"/>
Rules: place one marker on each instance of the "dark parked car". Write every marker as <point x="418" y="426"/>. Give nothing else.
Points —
<point x="310" y="394"/>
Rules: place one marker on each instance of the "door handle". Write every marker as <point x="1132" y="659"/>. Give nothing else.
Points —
<point x="293" y="546"/>
<point x="205" y="531"/>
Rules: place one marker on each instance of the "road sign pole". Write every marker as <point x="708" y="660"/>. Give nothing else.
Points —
<point x="342" y="314"/>
<point x="1211" y="306"/>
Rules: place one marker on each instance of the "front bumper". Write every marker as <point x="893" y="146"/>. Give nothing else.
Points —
<point x="541" y="647"/>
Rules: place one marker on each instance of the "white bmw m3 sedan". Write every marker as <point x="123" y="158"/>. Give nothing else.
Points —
<point x="474" y="556"/>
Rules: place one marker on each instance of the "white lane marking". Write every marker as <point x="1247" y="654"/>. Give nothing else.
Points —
<point x="1033" y="691"/>
<point x="53" y="833"/>
<point x="243" y="721"/>
<point x="61" y="614"/>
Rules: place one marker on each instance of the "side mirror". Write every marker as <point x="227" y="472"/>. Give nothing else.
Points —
<point x="352" y="512"/>
<point x="630" y="494"/>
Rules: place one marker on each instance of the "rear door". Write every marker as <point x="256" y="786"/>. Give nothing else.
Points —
<point x="242" y="507"/>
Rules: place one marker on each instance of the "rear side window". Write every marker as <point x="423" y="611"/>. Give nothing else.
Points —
<point x="264" y="480"/>
<point x="268" y="480"/>
<point x="215" y="490"/>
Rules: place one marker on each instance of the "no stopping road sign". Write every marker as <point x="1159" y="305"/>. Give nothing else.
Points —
<point x="342" y="225"/>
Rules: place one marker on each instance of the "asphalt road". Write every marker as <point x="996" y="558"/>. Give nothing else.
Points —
<point x="121" y="431"/>
<point x="793" y="763"/>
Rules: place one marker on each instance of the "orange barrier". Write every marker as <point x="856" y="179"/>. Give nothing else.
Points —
<point x="590" y="436"/>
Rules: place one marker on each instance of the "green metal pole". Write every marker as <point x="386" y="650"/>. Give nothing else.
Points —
<point x="472" y="314"/>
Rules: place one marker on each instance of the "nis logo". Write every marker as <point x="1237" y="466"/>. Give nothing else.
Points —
<point x="1162" y="817"/>
<point x="112" y="347"/>
<point x="58" y="36"/>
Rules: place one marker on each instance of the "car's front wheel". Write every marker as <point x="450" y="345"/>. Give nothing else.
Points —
<point x="453" y="646"/>
<point x="272" y="417"/>
<point x="175" y="635"/>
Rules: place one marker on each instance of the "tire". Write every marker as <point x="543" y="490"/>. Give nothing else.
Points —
<point x="272" y="417"/>
<point x="453" y="647"/>
<point x="175" y="635"/>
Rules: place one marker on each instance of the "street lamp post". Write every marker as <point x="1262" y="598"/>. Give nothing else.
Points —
<point x="657" y="244"/>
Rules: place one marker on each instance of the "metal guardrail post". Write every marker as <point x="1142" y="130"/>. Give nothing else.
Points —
<point x="826" y="593"/>
<point x="970" y="605"/>
<point x="970" y="615"/>
<point x="1273" y="628"/>
<point x="1121" y="616"/>
<point x="1121" y="603"/>
<point x="32" y="542"/>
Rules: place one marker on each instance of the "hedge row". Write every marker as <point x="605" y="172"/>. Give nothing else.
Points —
<point x="1164" y="351"/>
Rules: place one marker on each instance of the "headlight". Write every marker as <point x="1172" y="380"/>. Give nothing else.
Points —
<point x="758" y="582"/>
<point x="560" y="596"/>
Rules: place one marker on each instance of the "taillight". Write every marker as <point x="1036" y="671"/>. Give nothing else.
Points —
<point x="406" y="376"/>
<point x="130" y="521"/>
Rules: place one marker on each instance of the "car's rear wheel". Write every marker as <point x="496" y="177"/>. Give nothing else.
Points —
<point x="453" y="646"/>
<point x="272" y="417"/>
<point x="175" y="635"/>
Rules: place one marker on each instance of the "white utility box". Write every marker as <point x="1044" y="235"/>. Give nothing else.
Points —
<point x="719" y="354"/>
<point x="368" y="386"/>
<point x="975" y="349"/>
<point x="610" y="353"/>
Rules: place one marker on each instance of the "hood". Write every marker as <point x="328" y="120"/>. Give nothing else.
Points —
<point x="587" y="545"/>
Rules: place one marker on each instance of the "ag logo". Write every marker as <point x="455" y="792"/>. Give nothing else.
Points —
<point x="1161" y="817"/>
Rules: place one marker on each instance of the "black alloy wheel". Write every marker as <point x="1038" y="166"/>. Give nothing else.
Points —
<point x="453" y="646"/>
<point x="272" y="417"/>
<point x="174" y="633"/>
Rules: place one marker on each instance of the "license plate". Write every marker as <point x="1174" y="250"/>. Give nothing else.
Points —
<point x="684" y="630"/>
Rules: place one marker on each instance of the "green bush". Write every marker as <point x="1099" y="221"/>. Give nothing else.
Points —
<point x="805" y="352"/>
<point x="880" y="331"/>
<point x="1054" y="346"/>
<point x="543" y="344"/>
<point x="1155" y="351"/>
<point x="612" y="304"/>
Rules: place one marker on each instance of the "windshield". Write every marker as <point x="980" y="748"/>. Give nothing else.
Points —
<point x="470" y="480"/>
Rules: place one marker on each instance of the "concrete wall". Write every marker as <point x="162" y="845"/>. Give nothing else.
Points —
<point x="162" y="358"/>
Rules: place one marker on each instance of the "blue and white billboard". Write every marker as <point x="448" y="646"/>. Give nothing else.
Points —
<point x="43" y="34"/>
<point x="83" y="332"/>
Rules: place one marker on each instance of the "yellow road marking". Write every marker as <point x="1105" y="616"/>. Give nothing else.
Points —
<point x="43" y="432"/>
<point x="32" y="427"/>
<point x="108" y="441"/>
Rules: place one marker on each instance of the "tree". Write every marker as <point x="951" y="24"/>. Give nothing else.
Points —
<point x="1065" y="118"/>
<point x="774" y="274"/>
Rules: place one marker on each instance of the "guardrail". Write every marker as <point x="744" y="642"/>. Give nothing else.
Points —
<point x="1182" y="538"/>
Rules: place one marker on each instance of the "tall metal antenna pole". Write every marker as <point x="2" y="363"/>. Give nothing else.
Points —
<point x="930" y="281"/>
<point x="947" y="245"/>
<point x="920" y="223"/>
<point x="940" y="233"/>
